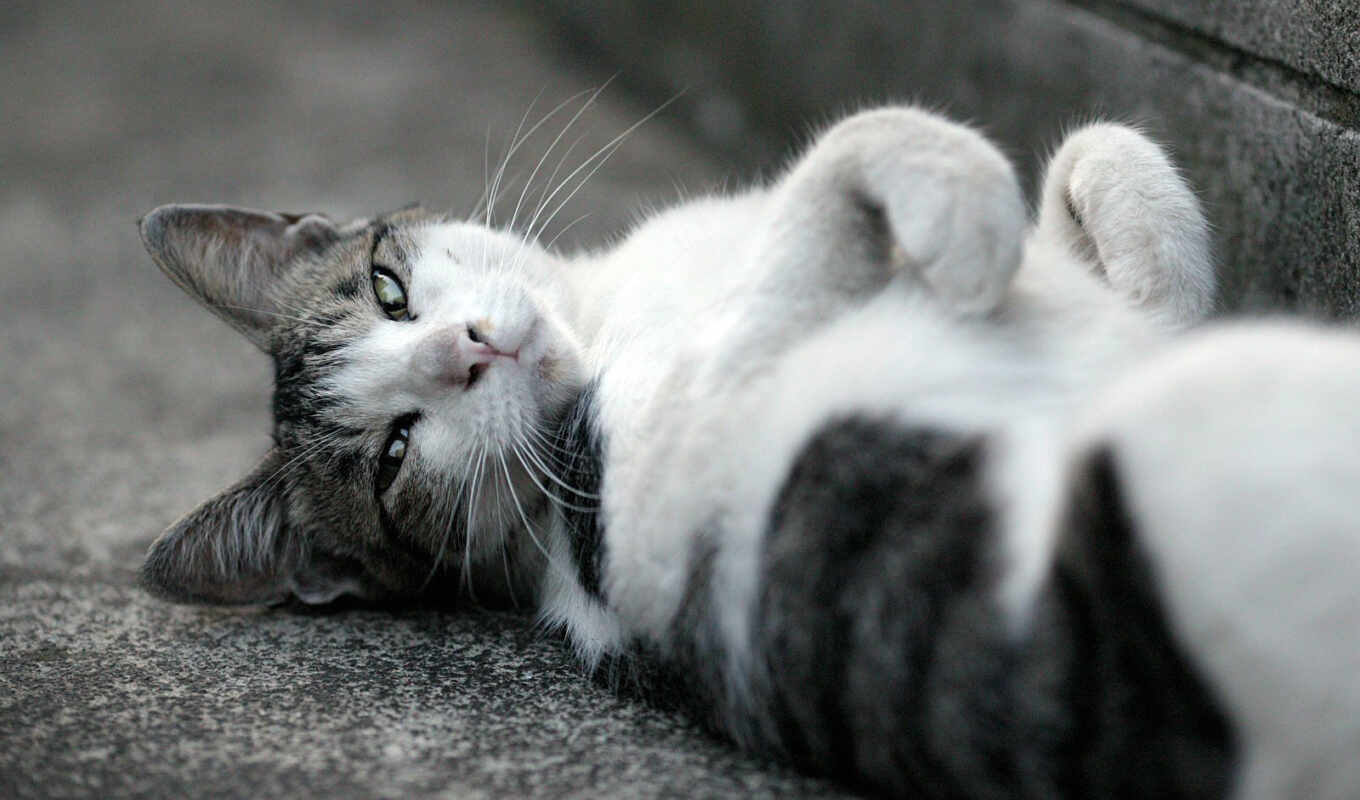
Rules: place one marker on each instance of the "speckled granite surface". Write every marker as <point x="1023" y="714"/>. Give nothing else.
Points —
<point x="122" y="405"/>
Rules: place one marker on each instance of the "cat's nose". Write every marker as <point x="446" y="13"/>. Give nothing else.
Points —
<point x="456" y="355"/>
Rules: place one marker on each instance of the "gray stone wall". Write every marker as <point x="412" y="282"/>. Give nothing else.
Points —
<point x="1259" y="100"/>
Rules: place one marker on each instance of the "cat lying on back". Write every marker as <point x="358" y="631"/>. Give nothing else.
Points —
<point x="818" y="447"/>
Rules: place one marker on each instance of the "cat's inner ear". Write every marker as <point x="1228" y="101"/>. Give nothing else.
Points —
<point x="230" y="259"/>
<point x="234" y="549"/>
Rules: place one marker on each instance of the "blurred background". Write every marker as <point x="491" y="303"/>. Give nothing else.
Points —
<point x="122" y="405"/>
<point x="1259" y="100"/>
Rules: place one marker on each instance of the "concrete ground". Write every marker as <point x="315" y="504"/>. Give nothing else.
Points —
<point x="122" y="405"/>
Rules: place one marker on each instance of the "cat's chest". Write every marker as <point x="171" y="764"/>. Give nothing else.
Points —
<point x="650" y="309"/>
<point x="663" y="285"/>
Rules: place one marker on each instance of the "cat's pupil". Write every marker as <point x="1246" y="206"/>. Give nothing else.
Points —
<point x="394" y="452"/>
<point x="390" y="293"/>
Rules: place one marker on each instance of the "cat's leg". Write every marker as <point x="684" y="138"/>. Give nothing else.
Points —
<point x="1113" y="198"/>
<point x="1230" y="464"/>
<point x="894" y="193"/>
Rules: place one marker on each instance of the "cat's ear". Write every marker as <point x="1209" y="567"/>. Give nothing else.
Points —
<point x="234" y="549"/>
<point x="231" y="258"/>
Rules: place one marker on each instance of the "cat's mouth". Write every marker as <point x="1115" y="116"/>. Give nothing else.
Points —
<point x="484" y="357"/>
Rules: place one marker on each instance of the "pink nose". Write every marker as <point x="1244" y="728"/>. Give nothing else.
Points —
<point x="457" y="355"/>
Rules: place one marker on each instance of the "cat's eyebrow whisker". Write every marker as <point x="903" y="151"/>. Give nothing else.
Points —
<point x="553" y="145"/>
<point x="294" y="307"/>
<point x="568" y="227"/>
<point x="600" y="157"/>
<point x="517" y="141"/>
<point x="505" y="161"/>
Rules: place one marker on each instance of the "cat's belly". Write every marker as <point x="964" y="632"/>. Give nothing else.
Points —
<point x="704" y="460"/>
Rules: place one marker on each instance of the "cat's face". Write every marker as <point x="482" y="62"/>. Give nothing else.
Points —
<point x="421" y="365"/>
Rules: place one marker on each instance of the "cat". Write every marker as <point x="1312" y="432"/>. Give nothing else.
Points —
<point x="882" y="473"/>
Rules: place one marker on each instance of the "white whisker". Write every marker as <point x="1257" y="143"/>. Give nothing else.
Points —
<point x="553" y="145"/>
<point x="518" y="141"/>
<point x="568" y="227"/>
<point x="528" y="528"/>
<point x="554" y="499"/>
<point x="602" y="155"/>
<point x="534" y="457"/>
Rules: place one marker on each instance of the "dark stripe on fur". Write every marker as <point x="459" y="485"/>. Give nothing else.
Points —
<point x="1150" y="725"/>
<point x="874" y="573"/>
<point x="699" y="685"/>
<point x="581" y="468"/>
<point x="348" y="288"/>
<point x="884" y="659"/>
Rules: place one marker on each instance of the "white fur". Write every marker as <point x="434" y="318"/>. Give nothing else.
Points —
<point x="1237" y="457"/>
<point x="724" y="332"/>
<point x="461" y="275"/>
<point x="594" y="630"/>
<point x="707" y="421"/>
<point x="1146" y="227"/>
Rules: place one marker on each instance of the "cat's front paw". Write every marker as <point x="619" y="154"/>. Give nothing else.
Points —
<point x="1113" y="198"/>
<point x="958" y="231"/>
<point x="952" y="207"/>
<point x="898" y="194"/>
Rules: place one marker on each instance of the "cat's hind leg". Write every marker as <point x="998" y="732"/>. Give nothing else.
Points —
<point x="1113" y="198"/>
<point x="1234" y="459"/>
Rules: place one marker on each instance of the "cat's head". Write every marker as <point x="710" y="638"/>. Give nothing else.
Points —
<point x="420" y="365"/>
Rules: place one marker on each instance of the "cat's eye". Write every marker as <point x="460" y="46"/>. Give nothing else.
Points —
<point x="391" y="294"/>
<point x="393" y="453"/>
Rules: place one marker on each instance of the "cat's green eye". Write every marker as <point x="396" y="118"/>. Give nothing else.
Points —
<point x="393" y="453"/>
<point x="391" y="294"/>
